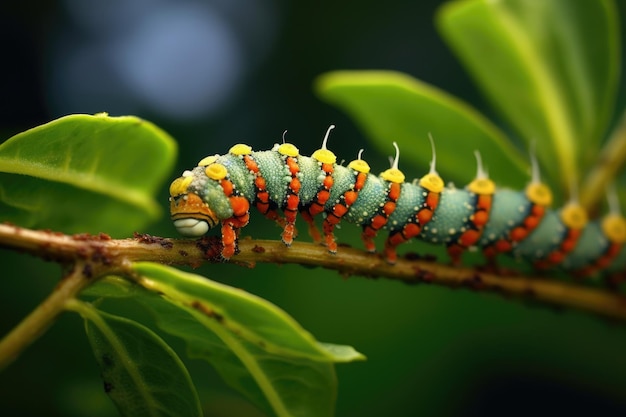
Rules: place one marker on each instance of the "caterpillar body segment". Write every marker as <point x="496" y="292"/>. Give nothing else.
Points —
<point x="281" y="184"/>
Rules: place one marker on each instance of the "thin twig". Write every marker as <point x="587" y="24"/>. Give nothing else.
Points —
<point x="36" y="323"/>
<point x="110" y="256"/>
<point x="606" y="169"/>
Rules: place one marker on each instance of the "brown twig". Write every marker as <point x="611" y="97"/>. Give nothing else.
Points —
<point x="36" y="323"/>
<point x="102" y="255"/>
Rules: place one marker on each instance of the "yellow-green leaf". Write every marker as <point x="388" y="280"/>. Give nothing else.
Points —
<point x="390" y="106"/>
<point x="83" y="173"/>
<point x="549" y="67"/>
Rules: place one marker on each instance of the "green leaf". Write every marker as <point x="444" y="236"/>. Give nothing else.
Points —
<point x="391" y="106"/>
<point x="252" y="318"/>
<point x="288" y="386"/>
<point x="141" y="373"/>
<point x="84" y="173"/>
<point x="550" y="67"/>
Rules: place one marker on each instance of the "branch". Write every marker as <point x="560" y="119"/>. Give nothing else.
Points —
<point x="38" y="321"/>
<point x="606" y="169"/>
<point x="108" y="256"/>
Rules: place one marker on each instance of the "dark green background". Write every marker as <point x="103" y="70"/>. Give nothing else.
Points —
<point x="431" y="351"/>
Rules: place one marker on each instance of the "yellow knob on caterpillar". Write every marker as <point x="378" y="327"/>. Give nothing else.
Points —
<point x="614" y="228"/>
<point x="483" y="186"/>
<point x="359" y="165"/>
<point x="324" y="156"/>
<point x="574" y="216"/>
<point x="432" y="182"/>
<point x="538" y="193"/>
<point x="207" y="160"/>
<point x="288" y="149"/>
<point x="179" y="185"/>
<point x="216" y="171"/>
<point x="393" y="175"/>
<point x="240" y="149"/>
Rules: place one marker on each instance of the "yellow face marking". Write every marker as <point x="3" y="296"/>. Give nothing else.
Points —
<point x="207" y="161"/>
<point x="288" y="149"/>
<point x="360" y="166"/>
<point x="574" y="216"/>
<point x="539" y="193"/>
<point x="216" y="171"/>
<point x="614" y="228"/>
<point x="240" y="149"/>
<point x="179" y="185"/>
<point x="192" y="207"/>
<point x="432" y="182"/>
<point x="483" y="186"/>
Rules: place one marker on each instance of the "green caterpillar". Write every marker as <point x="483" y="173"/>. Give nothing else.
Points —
<point x="221" y="190"/>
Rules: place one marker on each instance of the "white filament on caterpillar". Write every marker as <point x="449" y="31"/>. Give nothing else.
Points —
<point x="433" y="161"/>
<point x="331" y="127"/>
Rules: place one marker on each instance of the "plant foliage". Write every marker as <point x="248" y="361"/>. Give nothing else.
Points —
<point x="550" y="69"/>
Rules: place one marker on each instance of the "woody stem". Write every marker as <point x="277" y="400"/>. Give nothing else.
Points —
<point x="114" y="254"/>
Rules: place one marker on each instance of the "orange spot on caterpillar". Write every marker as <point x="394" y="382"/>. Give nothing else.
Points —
<point x="389" y="208"/>
<point x="518" y="234"/>
<point x="432" y="200"/>
<point x="350" y="197"/>
<point x="378" y="221"/>
<point x="394" y="191"/>
<point x="484" y="202"/>
<point x="322" y="197"/>
<point x="424" y="216"/>
<point x="239" y="205"/>
<point x="295" y="185"/>
<point x="481" y="218"/>
<point x="339" y="210"/>
<point x="503" y="245"/>
<point x="227" y="186"/>
<point x="469" y="237"/>
<point x="360" y="181"/>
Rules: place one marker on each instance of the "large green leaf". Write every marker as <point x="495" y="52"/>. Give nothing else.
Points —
<point x="219" y="306"/>
<point x="142" y="375"/>
<point x="391" y="106"/>
<point x="84" y="173"/>
<point x="550" y="67"/>
<point x="288" y="386"/>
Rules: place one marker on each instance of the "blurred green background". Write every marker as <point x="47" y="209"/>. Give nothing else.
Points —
<point x="215" y="73"/>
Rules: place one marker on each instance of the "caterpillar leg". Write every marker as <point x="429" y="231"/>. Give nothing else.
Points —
<point x="331" y="220"/>
<point x="291" y="212"/>
<point x="231" y="226"/>
<point x="368" y="235"/>
<point x="409" y="231"/>
<point x="292" y="200"/>
<point x="229" y="239"/>
<point x="333" y="217"/>
<point x="317" y="205"/>
<point x="313" y="230"/>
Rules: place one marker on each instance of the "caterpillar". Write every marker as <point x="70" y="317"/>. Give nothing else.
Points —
<point x="222" y="189"/>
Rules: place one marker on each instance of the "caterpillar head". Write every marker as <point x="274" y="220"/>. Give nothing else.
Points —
<point x="197" y="203"/>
